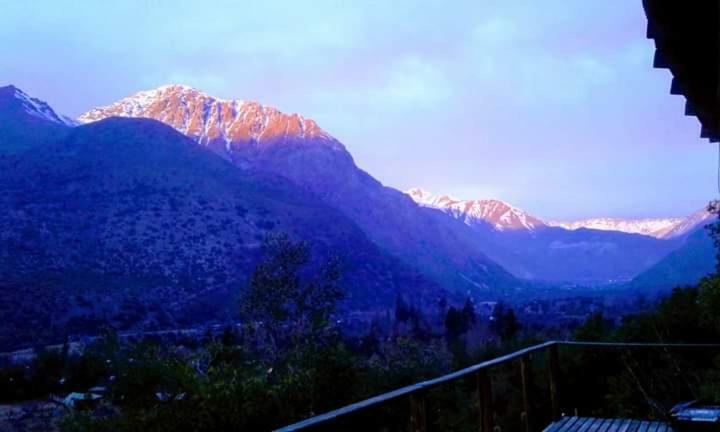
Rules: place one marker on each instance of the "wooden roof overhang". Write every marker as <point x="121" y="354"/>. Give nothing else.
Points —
<point x="687" y="41"/>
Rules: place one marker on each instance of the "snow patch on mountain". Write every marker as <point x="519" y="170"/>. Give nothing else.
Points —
<point x="696" y="220"/>
<point x="40" y="109"/>
<point x="654" y="227"/>
<point x="502" y="216"/>
<point x="498" y="214"/>
<point x="662" y="228"/>
<point x="218" y="123"/>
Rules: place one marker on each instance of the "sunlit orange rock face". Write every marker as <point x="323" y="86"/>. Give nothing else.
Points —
<point x="227" y="126"/>
<point x="279" y="148"/>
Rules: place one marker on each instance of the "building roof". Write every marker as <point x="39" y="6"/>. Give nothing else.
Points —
<point x="687" y="41"/>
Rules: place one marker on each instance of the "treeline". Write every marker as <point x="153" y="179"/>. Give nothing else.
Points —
<point x="291" y="362"/>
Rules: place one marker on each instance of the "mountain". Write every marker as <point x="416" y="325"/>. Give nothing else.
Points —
<point x="149" y="213"/>
<point x="695" y="258"/>
<point x="532" y="249"/>
<point x="500" y="215"/>
<point x="684" y="266"/>
<point x="126" y="222"/>
<point x="598" y="250"/>
<point x="234" y="129"/>
<point x="691" y="223"/>
<point x="266" y="140"/>
<point x="654" y="227"/>
<point x="27" y="121"/>
<point x="19" y="105"/>
<point x="582" y="256"/>
<point x="658" y="227"/>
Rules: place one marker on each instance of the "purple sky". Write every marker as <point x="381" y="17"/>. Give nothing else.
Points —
<point x="550" y="105"/>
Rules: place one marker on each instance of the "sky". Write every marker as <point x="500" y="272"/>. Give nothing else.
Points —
<point x="552" y="106"/>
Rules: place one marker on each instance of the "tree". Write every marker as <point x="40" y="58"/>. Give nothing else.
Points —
<point x="594" y="329"/>
<point x="709" y="301"/>
<point x="709" y="287"/>
<point x="468" y="312"/>
<point x="504" y="322"/>
<point x="454" y="323"/>
<point x="714" y="230"/>
<point x="442" y="306"/>
<point x="281" y="299"/>
<point x="402" y="310"/>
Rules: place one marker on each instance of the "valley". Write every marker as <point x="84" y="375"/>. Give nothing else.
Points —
<point x="148" y="214"/>
<point x="359" y="216"/>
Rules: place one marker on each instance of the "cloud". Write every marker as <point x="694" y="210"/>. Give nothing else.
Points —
<point x="511" y="57"/>
<point x="496" y="32"/>
<point x="414" y="83"/>
<point x="386" y="77"/>
<point x="407" y="83"/>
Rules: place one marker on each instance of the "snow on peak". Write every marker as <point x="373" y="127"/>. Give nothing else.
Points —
<point x="504" y="217"/>
<point x="38" y="108"/>
<point x="214" y="122"/>
<point x="654" y="227"/>
<point x="427" y="199"/>
<point x="498" y="214"/>
<point x="699" y="218"/>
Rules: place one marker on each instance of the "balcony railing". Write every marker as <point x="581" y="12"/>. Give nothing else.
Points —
<point x="416" y="393"/>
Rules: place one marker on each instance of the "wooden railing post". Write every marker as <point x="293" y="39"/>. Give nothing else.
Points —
<point x="554" y="373"/>
<point x="484" y="394"/>
<point x="418" y="420"/>
<point x="526" y="377"/>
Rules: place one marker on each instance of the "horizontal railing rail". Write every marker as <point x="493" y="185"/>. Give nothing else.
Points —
<point x="416" y="391"/>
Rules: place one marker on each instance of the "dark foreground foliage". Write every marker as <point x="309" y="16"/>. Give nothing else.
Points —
<point x="291" y="362"/>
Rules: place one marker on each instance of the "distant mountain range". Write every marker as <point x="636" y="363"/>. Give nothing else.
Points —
<point x="657" y="227"/>
<point x="500" y="215"/>
<point x="264" y="139"/>
<point x="503" y="216"/>
<point x="593" y="251"/>
<point x="149" y="213"/>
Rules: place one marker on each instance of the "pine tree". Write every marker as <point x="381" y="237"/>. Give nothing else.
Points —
<point x="468" y="312"/>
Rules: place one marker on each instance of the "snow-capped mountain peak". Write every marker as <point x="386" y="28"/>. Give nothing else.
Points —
<point x="655" y="227"/>
<point x="700" y="218"/>
<point x="503" y="217"/>
<point x="38" y="108"/>
<point x="498" y="214"/>
<point x="222" y="124"/>
<point x="428" y="199"/>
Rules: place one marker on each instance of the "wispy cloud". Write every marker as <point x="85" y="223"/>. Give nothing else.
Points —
<point x="490" y="96"/>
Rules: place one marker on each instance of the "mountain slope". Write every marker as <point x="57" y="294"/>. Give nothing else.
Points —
<point x="27" y="121"/>
<point x="690" y="223"/>
<point x="129" y="223"/>
<point x="580" y="256"/>
<point x="263" y="139"/>
<point x="686" y="265"/>
<point x="695" y="258"/>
